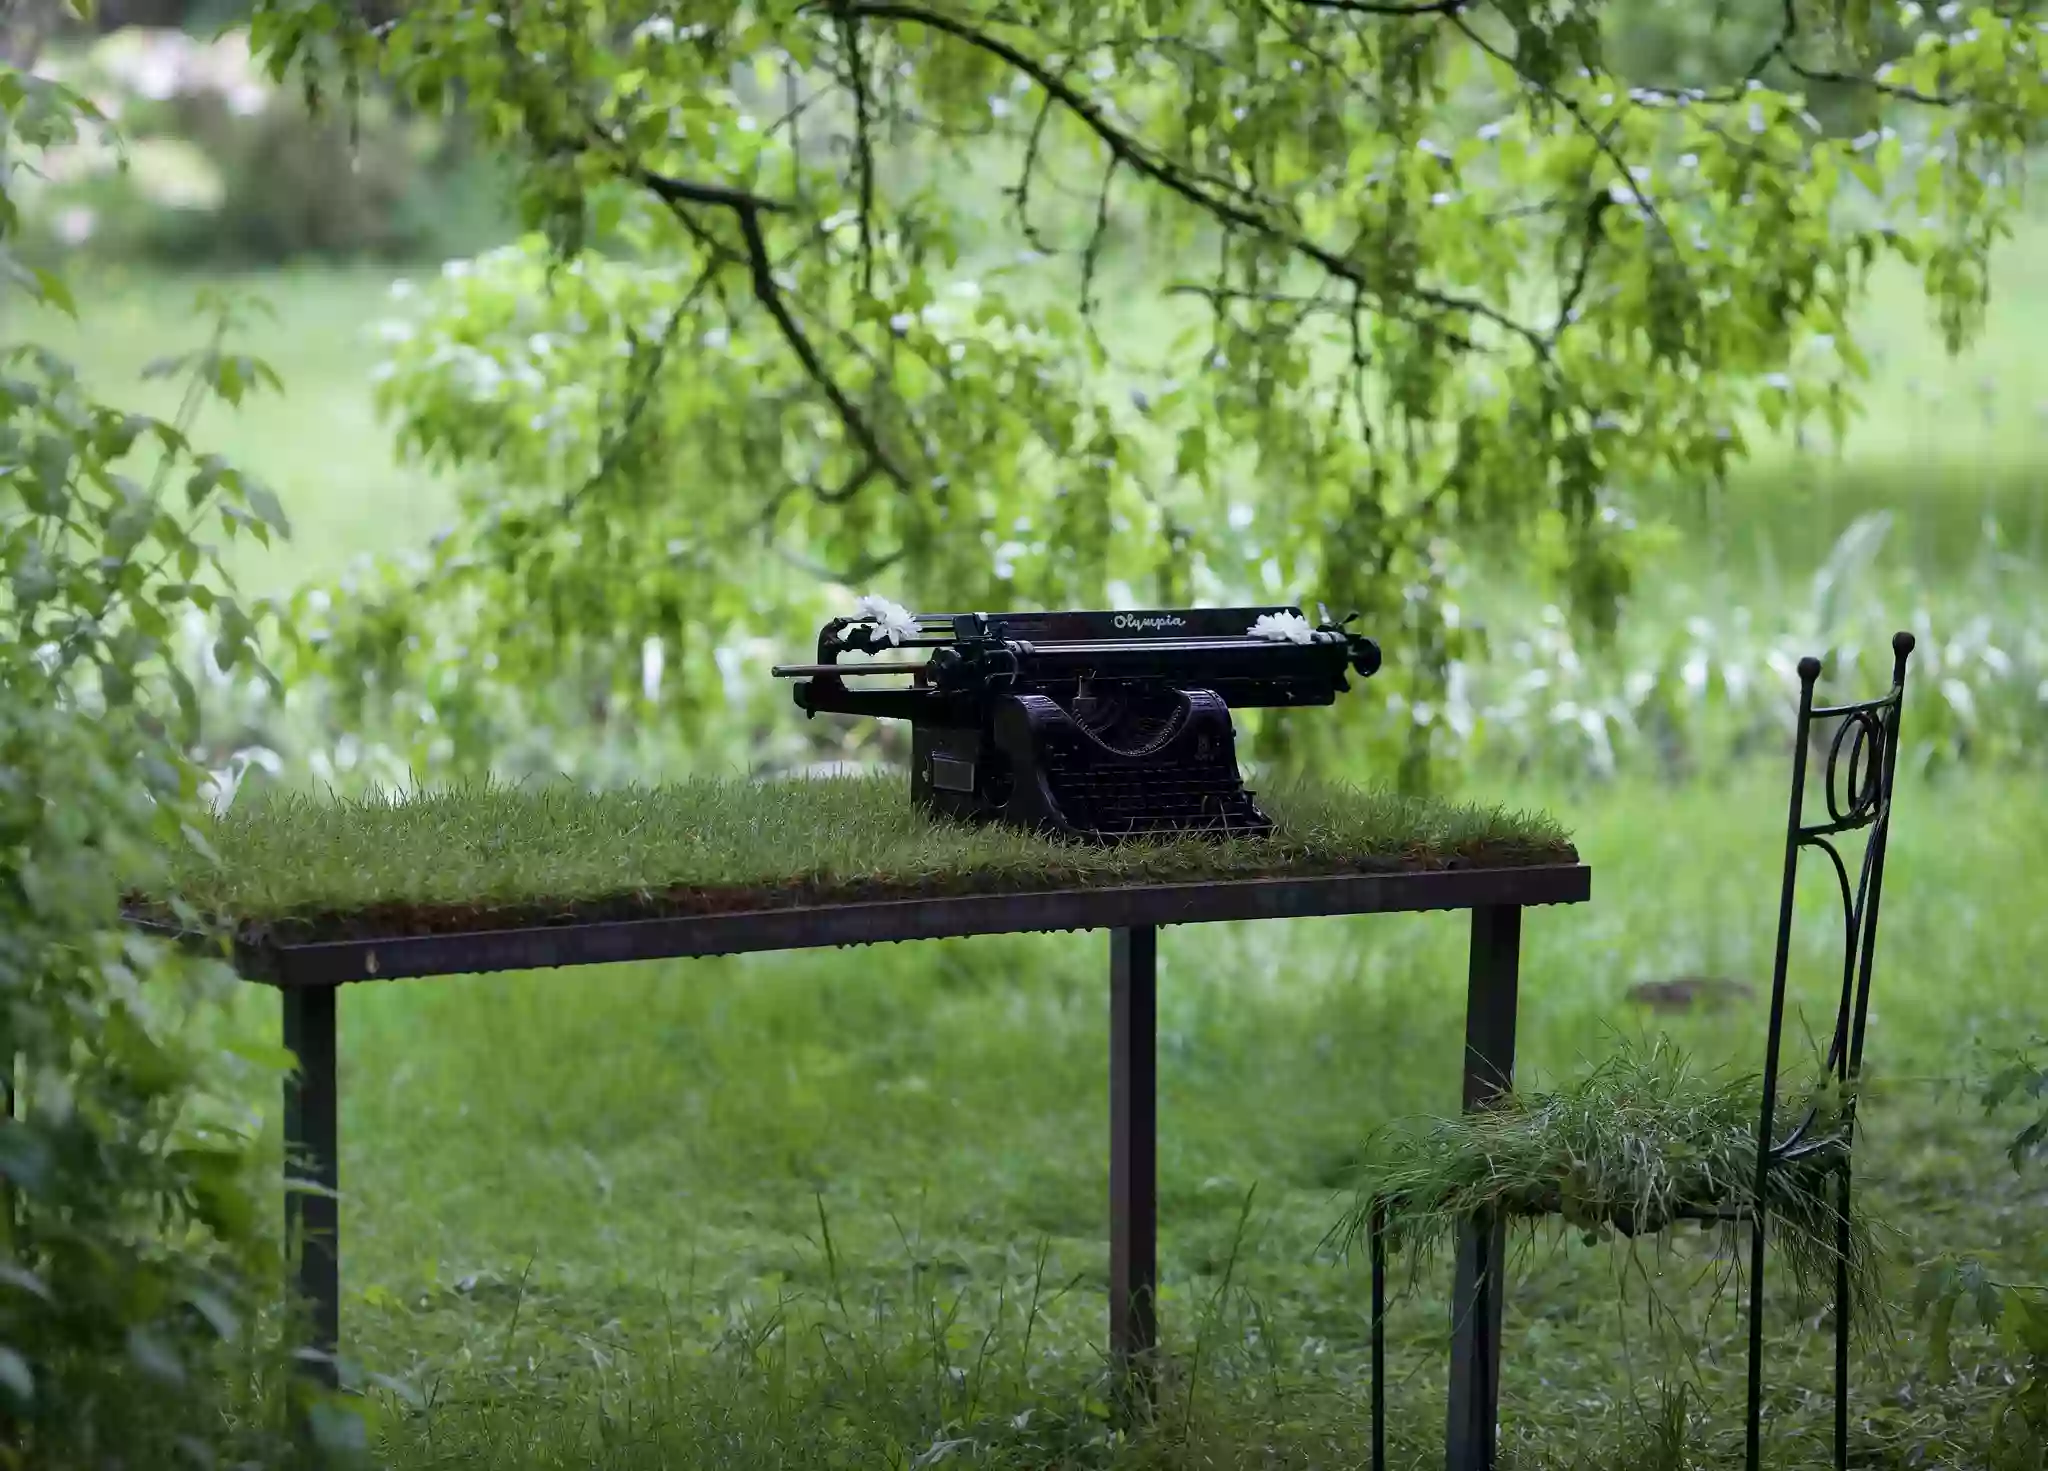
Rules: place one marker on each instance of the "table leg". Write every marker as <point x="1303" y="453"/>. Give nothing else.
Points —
<point x="1133" y="1159"/>
<point x="1490" y="1001"/>
<point x="312" y="1215"/>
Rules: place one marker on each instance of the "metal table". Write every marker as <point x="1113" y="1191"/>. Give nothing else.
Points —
<point x="308" y="975"/>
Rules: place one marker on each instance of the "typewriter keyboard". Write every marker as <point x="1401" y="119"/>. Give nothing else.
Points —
<point x="1112" y="799"/>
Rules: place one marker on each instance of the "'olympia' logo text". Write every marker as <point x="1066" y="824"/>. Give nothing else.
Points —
<point x="1155" y="620"/>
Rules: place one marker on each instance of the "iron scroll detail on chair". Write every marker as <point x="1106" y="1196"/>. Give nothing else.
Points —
<point x="1859" y="796"/>
<point x="1858" y="776"/>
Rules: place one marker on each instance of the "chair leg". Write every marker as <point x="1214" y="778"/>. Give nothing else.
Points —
<point x="1753" y="1446"/>
<point x="1376" y="1231"/>
<point x="1843" y="1309"/>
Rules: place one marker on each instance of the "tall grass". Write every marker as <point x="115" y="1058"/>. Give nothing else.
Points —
<point x="1642" y="1144"/>
<point x="1703" y="672"/>
<point x="1701" y="676"/>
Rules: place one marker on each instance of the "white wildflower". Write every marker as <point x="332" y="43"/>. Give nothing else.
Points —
<point x="892" y="620"/>
<point x="652" y="660"/>
<point x="222" y="784"/>
<point x="1282" y="628"/>
<point x="75" y="225"/>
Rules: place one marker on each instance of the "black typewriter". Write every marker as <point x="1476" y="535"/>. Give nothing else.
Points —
<point x="1101" y="726"/>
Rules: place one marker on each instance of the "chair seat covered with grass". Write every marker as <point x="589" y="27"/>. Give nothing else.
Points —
<point x="1644" y="1144"/>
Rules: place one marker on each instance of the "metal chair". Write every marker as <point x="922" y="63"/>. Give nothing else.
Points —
<point x="1861" y="762"/>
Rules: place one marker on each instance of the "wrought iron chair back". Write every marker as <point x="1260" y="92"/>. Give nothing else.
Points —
<point x="1861" y="742"/>
<point x="1857" y="783"/>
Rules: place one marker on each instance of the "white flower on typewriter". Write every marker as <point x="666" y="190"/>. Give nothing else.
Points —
<point x="1283" y="628"/>
<point x="892" y="620"/>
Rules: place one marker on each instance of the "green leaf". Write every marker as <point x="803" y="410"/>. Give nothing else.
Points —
<point x="267" y="506"/>
<point x="168" y="367"/>
<point x="205" y="480"/>
<point x="24" y="1280"/>
<point x="338" y="1429"/>
<point x="24" y="1158"/>
<point x="52" y="290"/>
<point x="214" y="1308"/>
<point x="219" y="1192"/>
<point x="186" y="697"/>
<point x="15" y="1375"/>
<point x="1938" y="1331"/>
<point x="153" y="1357"/>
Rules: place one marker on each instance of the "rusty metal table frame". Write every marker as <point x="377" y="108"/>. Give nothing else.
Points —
<point x="308" y="976"/>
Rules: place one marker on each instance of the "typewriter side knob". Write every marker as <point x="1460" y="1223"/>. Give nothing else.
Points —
<point x="1365" y="656"/>
<point x="948" y="668"/>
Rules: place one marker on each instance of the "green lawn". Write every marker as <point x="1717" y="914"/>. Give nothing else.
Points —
<point x="320" y="445"/>
<point x="799" y="1210"/>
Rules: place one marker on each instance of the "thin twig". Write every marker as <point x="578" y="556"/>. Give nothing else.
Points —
<point x="761" y="272"/>
<point x="863" y="146"/>
<point x="673" y="191"/>
<point x="1388" y="11"/>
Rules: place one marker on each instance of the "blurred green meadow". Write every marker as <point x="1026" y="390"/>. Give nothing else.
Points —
<point x="847" y="1208"/>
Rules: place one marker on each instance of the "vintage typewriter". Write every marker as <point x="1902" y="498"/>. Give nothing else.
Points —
<point x="1100" y="726"/>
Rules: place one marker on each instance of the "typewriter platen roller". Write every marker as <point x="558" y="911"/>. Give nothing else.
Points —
<point x="1091" y="725"/>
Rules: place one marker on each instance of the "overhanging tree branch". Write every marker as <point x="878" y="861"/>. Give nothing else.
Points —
<point x="1141" y="159"/>
<point x="1387" y="9"/>
<point x="1873" y="84"/>
<point x="863" y="145"/>
<point x="761" y="271"/>
<point x="681" y="196"/>
<point x="674" y="191"/>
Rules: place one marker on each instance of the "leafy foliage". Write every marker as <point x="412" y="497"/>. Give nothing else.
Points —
<point x="868" y="305"/>
<point x="135" y="1276"/>
<point x="2024" y="1081"/>
<point x="1956" y="1289"/>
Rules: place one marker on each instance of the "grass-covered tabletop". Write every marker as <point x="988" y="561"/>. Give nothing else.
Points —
<point x="290" y="869"/>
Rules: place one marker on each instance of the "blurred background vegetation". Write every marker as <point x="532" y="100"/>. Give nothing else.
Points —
<point x="214" y="168"/>
<point x="1929" y="515"/>
<point x="561" y="1190"/>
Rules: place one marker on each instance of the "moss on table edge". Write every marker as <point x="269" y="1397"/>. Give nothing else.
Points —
<point x="403" y="920"/>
